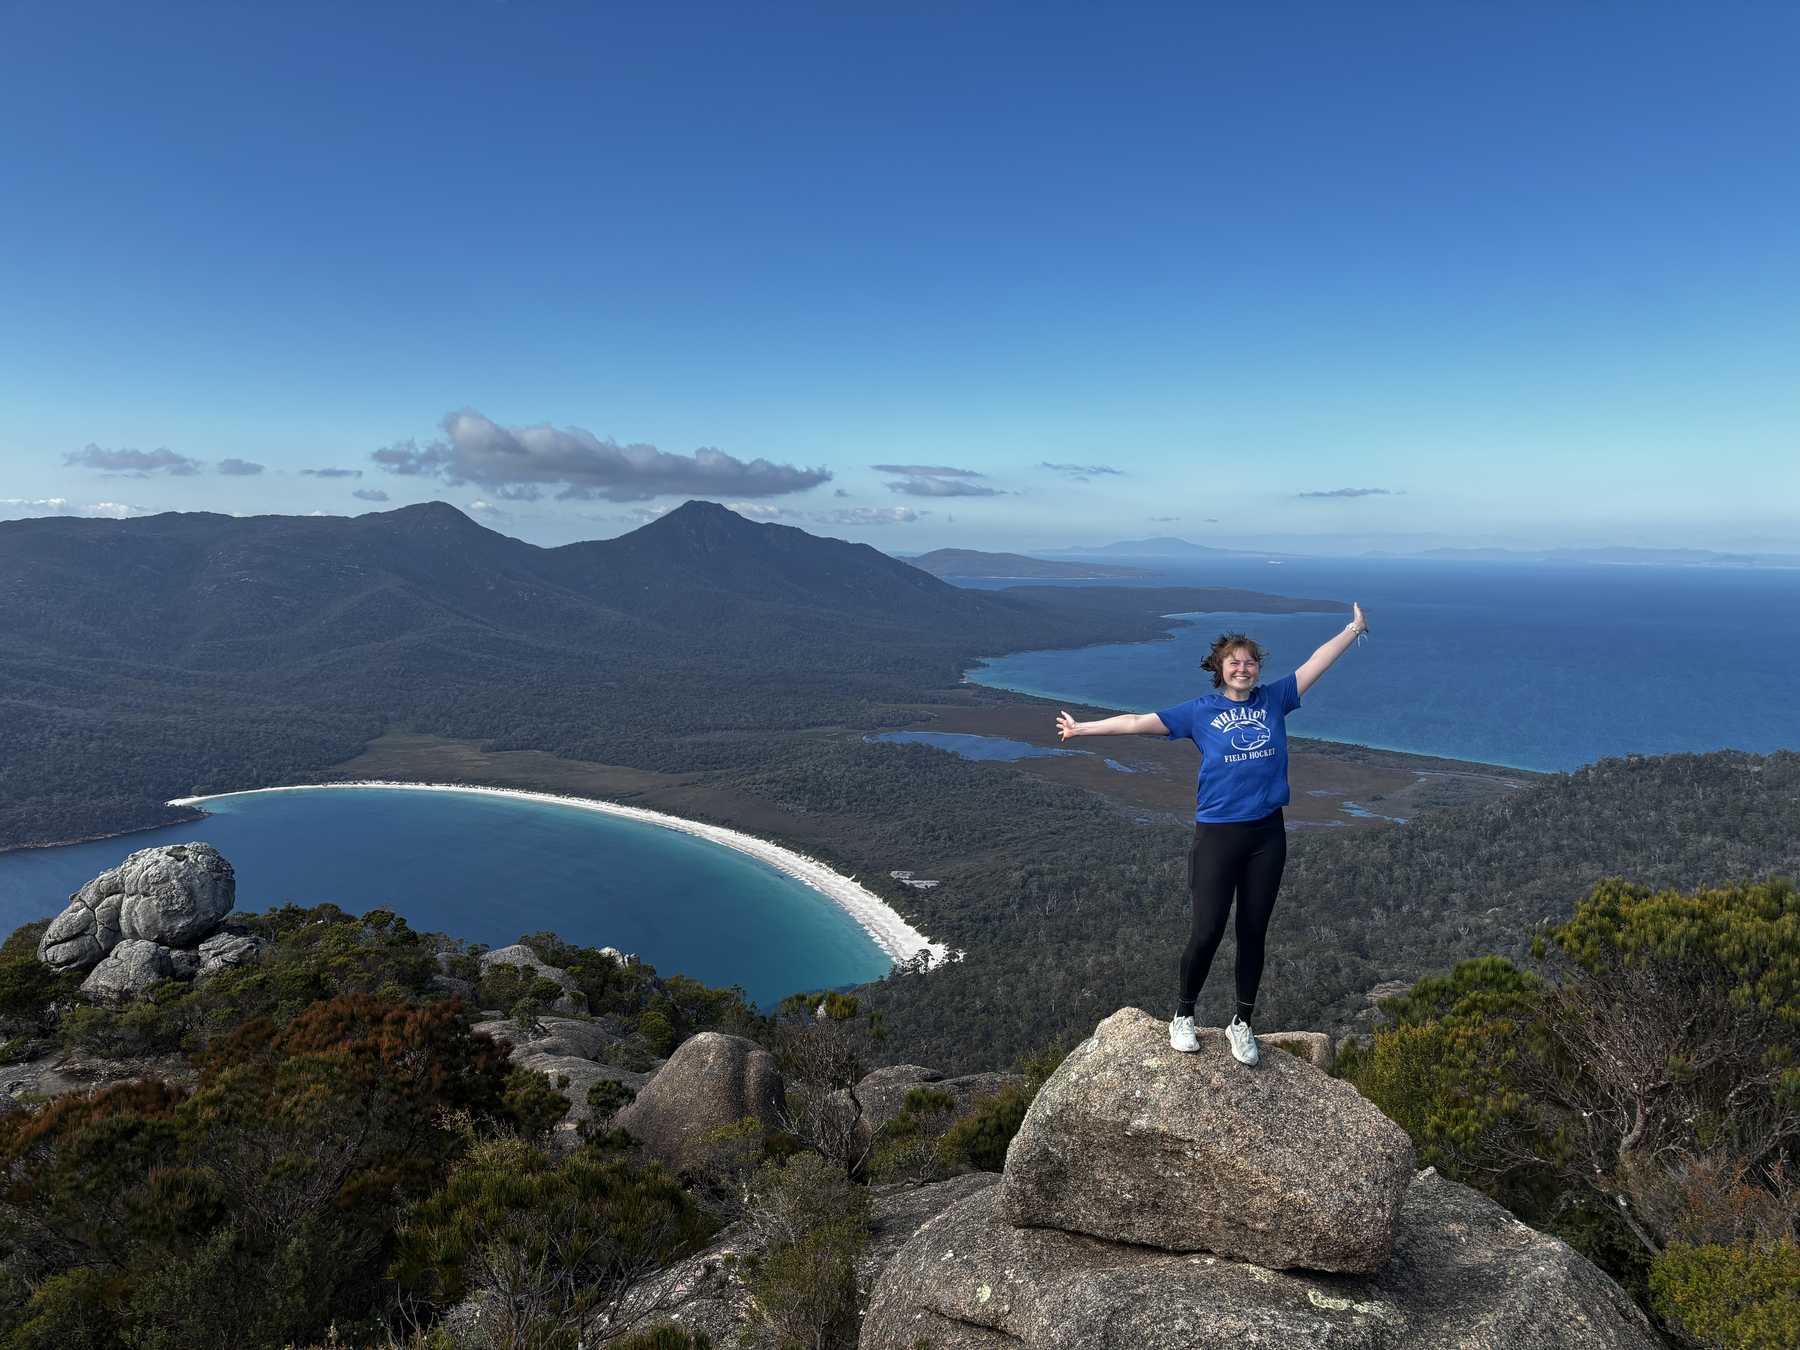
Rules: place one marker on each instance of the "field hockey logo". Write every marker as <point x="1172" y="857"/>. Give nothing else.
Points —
<point x="1243" y="728"/>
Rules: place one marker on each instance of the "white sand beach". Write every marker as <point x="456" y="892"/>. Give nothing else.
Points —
<point x="893" y="934"/>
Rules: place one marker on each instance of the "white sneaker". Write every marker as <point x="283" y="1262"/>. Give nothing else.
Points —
<point x="1181" y="1034"/>
<point x="1243" y="1042"/>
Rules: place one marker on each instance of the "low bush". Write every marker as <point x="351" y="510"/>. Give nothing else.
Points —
<point x="1742" y="1296"/>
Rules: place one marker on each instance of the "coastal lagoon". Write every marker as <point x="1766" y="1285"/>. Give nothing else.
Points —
<point x="1533" y="666"/>
<point x="489" y="868"/>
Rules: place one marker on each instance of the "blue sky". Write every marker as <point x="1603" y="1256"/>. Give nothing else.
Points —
<point x="1327" y="276"/>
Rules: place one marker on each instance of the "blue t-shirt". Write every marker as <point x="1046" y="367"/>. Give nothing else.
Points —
<point x="1243" y="750"/>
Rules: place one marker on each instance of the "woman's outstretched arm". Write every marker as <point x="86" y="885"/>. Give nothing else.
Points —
<point x="1125" y="724"/>
<point x="1320" y="661"/>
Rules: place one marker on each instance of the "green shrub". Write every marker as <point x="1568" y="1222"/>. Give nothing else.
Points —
<point x="1745" y="1296"/>
<point x="28" y="987"/>
<point x="668" y="1336"/>
<point x="979" y="1140"/>
<point x="1037" y="1065"/>
<point x="1449" y="1072"/>
<point x="545" y="1247"/>
<point x="814" y="1224"/>
<point x="532" y="1103"/>
<point x="606" y="1097"/>
<point x="908" y="1148"/>
<point x="658" y="1033"/>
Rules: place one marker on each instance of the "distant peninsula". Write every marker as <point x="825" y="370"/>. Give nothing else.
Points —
<point x="1161" y="547"/>
<point x="969" y="562"/>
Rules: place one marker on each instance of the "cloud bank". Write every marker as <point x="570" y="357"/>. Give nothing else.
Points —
<point x="1350" y="492"/>
<point x="239" y="468"/>
<point x="19" y="508"/>
<point x="870" y="515"/>
<point x="370" y="495"/>
<point x="132" y="463"/>
<point x="518" y="463"/>
<point x="331" y="473"/>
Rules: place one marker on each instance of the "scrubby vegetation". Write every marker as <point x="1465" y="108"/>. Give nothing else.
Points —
<point x="317" y="1148"/>
<point x="1640" y="1097"/>
<point x="321" y="1144"/>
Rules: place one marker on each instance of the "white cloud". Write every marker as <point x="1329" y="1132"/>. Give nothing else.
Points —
<point x="132" y="463"/>
<point x="514" y="463"/>
<point x="941" y="487"/>
<point x="758" y="511"/>
<point x="870" y="515"/>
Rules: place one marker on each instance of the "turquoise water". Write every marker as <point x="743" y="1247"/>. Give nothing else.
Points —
<point x="1535" y="666"/>
<point x="993" y="749"/>
<point x="490" y="869"/>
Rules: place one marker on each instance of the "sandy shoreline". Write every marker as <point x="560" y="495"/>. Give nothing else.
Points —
<point x="889" y="931"/>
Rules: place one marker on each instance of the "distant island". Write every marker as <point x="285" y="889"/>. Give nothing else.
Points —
<point x="969" y="562"/>
<point x="1162" y="547"/>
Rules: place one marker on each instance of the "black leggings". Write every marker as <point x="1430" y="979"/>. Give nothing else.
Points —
<point x="1243" y="858"/>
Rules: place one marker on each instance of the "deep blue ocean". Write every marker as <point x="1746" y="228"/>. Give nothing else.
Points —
<point x="1536" y="667"/>
<point x="490" y="869"/>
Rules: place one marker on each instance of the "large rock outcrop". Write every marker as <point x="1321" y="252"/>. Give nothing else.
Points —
<point x="172" y="895"/>
<point x="571" y="1000"/>
<point x="711" y="1080"/>
<point x="1132" y="1141"/>
<point x="1154" y="1200"/>
<point x="566" y="1051"/>
<point x="1464" y="1273"/>
<point x="132" y="966"/>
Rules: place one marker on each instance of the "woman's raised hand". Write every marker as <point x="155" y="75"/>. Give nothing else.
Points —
<point x="1357" y="619"/>
<point x="1066" y="726"/>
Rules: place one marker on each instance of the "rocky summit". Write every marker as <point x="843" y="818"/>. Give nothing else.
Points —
<point x="1133" y="1141"/>
<point x="1464" y="1273"/>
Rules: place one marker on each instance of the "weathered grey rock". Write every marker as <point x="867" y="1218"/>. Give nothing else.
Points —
<point x="1312" y="1046"/>
<point x="1464" y="1273"/>
<point x="184" y="962"/>
<point x="573" y="1077"/>
<point x="173" y="894"/>
<point x="64" y="1071"/>
<point x="127" y="970"/>
<point x="1133" y="1141"/>
<point x="711" y="1080"/>
<point x="83" y="933"/>
<point x="572" y="999"/>
<point x="229" y="949"/>
<point x="553" y="1036"/>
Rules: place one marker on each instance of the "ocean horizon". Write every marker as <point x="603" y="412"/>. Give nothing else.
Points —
<point x="1531" y="666"/>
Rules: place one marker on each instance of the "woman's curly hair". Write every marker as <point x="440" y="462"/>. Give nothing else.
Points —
<point x="1226" y="643"/>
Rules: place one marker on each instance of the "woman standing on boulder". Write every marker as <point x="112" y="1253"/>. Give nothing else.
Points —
<point x="1240" y="839"/>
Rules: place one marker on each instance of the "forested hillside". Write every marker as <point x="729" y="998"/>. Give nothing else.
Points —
<point x="152" y="658"/>
<point x="1068" y="911"/>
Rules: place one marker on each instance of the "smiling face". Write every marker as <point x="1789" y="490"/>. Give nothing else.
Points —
<point x="1239" y="670"/>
